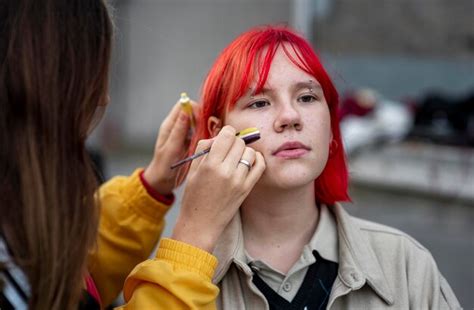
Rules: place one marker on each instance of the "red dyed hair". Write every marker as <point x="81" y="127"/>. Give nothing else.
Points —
<point x="247" y="59"/>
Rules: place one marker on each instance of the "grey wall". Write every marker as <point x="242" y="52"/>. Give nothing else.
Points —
<point x="442" y="28"/>
<point x="399" y="77"/>
<point x="166" y="47"/>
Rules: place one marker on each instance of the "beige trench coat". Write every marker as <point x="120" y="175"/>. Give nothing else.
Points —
<point x="379" y="267"/>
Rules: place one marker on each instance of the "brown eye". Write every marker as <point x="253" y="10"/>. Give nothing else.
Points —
<point x="307" y="98"/>
<point x="259" y="104"/>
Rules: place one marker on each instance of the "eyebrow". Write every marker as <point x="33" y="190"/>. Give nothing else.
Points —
<point x="311" y="85"/>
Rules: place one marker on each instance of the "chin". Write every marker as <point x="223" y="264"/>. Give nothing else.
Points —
<point x="287" y="181"/>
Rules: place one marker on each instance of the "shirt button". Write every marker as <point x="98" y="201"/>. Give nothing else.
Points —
<point x="255" y="268"/>
<point x="355" y="277"/>
<point x="287" y="286"/>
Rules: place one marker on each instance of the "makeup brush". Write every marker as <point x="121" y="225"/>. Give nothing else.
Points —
<point x="249" y="135"/>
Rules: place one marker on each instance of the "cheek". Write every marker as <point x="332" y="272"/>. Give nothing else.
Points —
<point x="240" y="122"/>
<point x="319" y="137"/>
<point x="318" y="127"/>
<point x="265" y="126"/>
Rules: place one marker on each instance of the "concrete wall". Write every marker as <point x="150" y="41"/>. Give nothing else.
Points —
<point x="400" y="77"/>
<point x="399" y="47"/>
<point x="427" y="28"/>
<point x="166" y="47"/>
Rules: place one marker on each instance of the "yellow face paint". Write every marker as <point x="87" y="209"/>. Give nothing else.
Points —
<point x="249" y="135"/>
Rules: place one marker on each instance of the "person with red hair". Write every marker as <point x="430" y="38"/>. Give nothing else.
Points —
<point x="290" y="244"/>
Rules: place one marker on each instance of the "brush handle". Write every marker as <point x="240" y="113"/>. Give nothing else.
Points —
<point x="183" y="161"/>
<point x="247" y="139"/>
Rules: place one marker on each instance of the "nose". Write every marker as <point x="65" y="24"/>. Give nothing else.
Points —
<point x="288" y="117"/>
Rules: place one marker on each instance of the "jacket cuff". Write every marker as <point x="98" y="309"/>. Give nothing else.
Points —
<point x="185" y="256"/>
<point x="166" y="199"/>
<point x="138" y="199"/>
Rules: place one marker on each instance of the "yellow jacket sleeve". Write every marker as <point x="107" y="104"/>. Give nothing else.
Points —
<point x="178" y="278"/>
<point x="131" y="222"/>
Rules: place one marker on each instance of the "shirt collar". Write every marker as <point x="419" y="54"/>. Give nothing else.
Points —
<point x="230" y="247"/>
<point x="357" y="261"/>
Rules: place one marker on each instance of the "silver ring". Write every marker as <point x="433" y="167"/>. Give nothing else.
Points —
<point x="245" y="162"/>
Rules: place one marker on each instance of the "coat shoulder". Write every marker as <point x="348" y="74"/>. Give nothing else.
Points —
<point x="380" y="234"/>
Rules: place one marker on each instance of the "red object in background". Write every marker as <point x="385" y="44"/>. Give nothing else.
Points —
<point x="360" y="102"/>
<point x="350" y="106"/>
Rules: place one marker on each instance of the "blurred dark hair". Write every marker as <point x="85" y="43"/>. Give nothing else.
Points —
<point x="54" y="63"/>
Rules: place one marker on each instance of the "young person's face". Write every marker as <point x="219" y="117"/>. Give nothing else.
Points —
<point x="294" y="122"/>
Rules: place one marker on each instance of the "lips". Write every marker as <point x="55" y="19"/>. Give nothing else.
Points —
<point x="291" y="150"/>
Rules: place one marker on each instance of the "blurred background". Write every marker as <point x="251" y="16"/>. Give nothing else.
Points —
<point x="405" y="73"/>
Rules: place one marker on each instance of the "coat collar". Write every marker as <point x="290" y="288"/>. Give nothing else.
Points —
<point x="357" y="261"/>
<point x="230" y="248"/>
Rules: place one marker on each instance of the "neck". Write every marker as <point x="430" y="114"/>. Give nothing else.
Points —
<point x="278" y="224"/>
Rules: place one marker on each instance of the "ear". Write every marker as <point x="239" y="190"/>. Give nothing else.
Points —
<point x="214" y="125"/>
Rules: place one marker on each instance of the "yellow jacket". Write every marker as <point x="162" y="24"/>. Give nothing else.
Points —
<point x="131" y="222"/>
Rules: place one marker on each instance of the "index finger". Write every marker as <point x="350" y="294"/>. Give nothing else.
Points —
<point x="222" y="144"/>
<point x="168" y="124"/>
